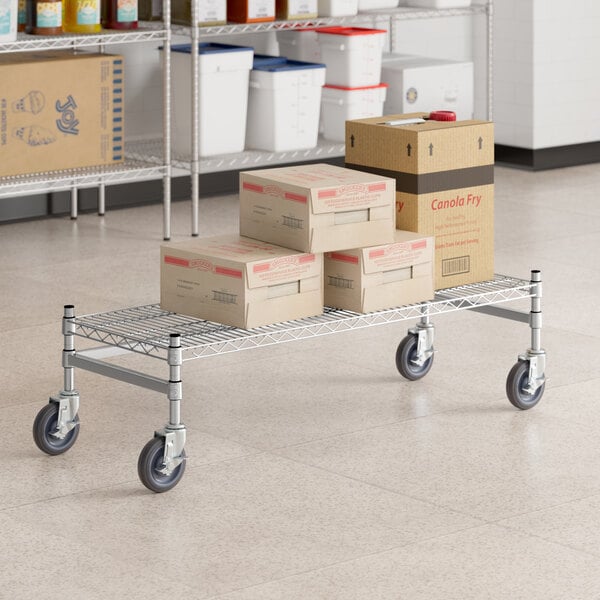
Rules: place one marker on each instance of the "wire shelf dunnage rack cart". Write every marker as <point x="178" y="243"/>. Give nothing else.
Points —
<point x="175" y="339"/>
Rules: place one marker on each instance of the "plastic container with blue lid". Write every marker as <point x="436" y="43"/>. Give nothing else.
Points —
<point x="286" y="64"/>
<point x="284" y="104"/>
<point x="210" y="48"/>
<point x="262" y="60"/>
<point x="224" y="71"/>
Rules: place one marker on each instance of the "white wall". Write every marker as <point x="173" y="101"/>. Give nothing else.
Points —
<point x="566" y="72"/>
<point x="546" y="72"/>
<point x="513" y="72"/>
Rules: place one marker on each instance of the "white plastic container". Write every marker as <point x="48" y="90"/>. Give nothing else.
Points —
<point x="283" y="105"/>
<point x="421" y="84"/>
<point x="299" y="44"/>
<point x="345" y="104"/>
<point x="352" y="55"/>
<point x="338" y="8"/>
<point x="223" y="99"/>
<point x="373" y="4"/>
<point x="9" y="11"/>
<point x="439" y="3"/>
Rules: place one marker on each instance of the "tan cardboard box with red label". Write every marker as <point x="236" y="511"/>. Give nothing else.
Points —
<point x="380" y="277"/>
<point x="60" y="110"/>
<point x="317" y="208"/>
<point x="240" y="281"/>
<point x="444" y="172"/>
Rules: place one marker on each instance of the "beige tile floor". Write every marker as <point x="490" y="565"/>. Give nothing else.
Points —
<point x="315" y="471"/>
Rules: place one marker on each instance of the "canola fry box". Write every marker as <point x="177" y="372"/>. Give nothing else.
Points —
<point x="444" y="174"/>
<point x="381" y="277"/>
<point x="316" y="208"/>
<point x="60" y="110"/>
<point x="239" y="281"/>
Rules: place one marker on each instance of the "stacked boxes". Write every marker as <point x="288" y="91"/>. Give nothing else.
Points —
<point x="274" y="272"/>
<point x="380" y="277"/>
<point x="444" y="176"/>
<point x="239" y="281"/>
<point x="316" y="208"/>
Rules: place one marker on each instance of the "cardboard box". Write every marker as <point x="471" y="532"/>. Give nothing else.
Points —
<point x="238" y="281"/>
<point x="444" y="174"/>
<point x="380" y="277"/>
<point x="317" y="208"/>
<point x="60" y="110"/>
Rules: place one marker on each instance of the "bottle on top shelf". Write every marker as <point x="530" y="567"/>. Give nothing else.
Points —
<point x="120" y="14"/>
<point x="44" y="17"/>
<point x="22" y="15"/>
<point x="8" y="20"/>
<point x="82" y="16"/>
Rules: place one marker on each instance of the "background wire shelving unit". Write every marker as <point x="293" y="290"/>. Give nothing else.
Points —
<point x="144" y="160"/>
<point x="325" y="150"/>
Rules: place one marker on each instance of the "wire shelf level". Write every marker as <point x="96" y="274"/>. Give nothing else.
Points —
<point x="146" y="329"/>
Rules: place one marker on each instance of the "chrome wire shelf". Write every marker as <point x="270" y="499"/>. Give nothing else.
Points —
<point x="403" y="13"/>
<point x="143" y="161"/>
<point x="249" y="159"/>
<point x="146" y="329"/>
<point x="146" y="32"/>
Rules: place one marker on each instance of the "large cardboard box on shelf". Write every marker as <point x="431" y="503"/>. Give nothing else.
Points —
<point x="60" y="110"/>
<point x="444" y="174"/>
<point x="380" y="277"/>
<point x="317" y="208"/>
<point x="239" y="281"/>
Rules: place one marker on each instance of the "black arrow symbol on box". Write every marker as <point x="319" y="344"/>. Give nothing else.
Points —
<point x="430" y="149"/>
<point x="480" y="140"/>
<point x="408" y="148"/>
<point x="352" y="140"/>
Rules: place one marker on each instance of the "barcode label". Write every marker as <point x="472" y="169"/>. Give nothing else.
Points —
<point x="456" y="266"/>
<point x="224" y="297"/>
<point x="341" y="282"/>
<point x="293" y="222"/>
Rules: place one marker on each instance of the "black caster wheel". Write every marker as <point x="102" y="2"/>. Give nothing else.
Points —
<point x="515" y="387"/>
<point x="149" y="465"/>
<point x="406" y="354"/>
<point x="45" y="424"/>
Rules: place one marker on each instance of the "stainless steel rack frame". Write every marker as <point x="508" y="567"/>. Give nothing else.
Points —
<point x="176" y="339"/>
